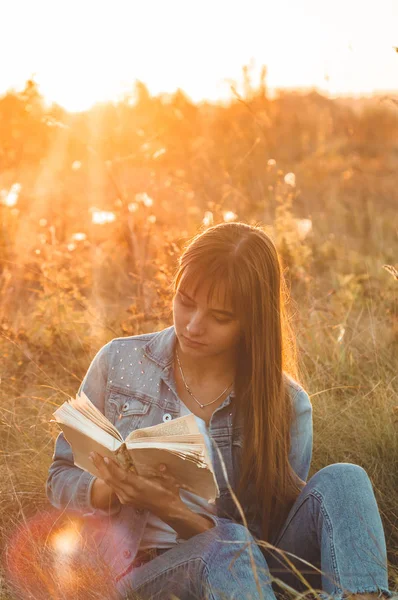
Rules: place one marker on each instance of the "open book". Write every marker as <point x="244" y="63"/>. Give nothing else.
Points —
<point x="178" y="444"/>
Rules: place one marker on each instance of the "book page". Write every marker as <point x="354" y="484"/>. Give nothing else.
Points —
<point x="84" y="405"/>
<point x="196" y="450"/>
<point x="191" y="438"/>
<point x="182" y="426"/>
<point x="82" y="444"/>
<point x="68" y="415"/>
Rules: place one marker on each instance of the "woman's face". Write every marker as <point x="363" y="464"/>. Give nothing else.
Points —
<point x="205" y="329"/>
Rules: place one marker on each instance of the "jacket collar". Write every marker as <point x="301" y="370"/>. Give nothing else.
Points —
<point x="160" y="347"/>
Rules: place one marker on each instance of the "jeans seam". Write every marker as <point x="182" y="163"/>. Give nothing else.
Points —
<point x="209" y="591"/>
<point x="287" y="522"/>
<point x="318" y="496"/>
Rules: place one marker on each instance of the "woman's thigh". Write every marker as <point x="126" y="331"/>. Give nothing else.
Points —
<point x="223" y="562"/>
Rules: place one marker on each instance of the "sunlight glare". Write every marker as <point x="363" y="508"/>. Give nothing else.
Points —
<point x="144" y="198"/>
<point x="341" y="334"/>
<point x="290" y="179"/>
<point x="100" y="217"/>
<point x="79" y="237"/>
<point x="66" y="541"/>
<point x="229" y="216"/>
<point x="304" y="226"/>
<point x="159" y="153"/>
<point x="311" y="48"/>
<point x="208" y="219"/>
<point x="10" y="198"/>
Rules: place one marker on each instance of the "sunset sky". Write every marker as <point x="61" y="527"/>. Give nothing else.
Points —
<point x="83" y="51"/>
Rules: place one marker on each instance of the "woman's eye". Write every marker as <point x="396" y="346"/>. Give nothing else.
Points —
<point x="185" y="301"/>
<point x="222" y="320"/>
<point x="189" y="303"/>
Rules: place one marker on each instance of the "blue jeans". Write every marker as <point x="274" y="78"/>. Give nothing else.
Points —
<point x="334" y="525"/>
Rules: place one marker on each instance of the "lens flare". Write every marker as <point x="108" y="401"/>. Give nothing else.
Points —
<point x="47" y="557"/>
<point x="66" y="541"/>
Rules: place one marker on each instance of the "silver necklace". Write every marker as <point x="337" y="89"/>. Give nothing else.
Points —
<point x="190" y="392"/>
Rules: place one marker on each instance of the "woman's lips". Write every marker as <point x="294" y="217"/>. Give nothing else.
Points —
<point x="191" y="342"/>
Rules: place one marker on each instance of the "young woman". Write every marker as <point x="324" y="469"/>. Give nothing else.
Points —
<point x="229" y="359"/>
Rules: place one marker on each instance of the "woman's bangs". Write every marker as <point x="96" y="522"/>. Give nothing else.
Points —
<point x="189" y="279"/>
<point x="223" y="288"/>
<point x="220" y="292"/>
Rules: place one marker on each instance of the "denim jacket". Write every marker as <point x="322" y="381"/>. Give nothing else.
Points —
<point x="131" y="381"/>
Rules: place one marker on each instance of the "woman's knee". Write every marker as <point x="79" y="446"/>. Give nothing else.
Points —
<point x="341" y="475"/>
<point x="236" y="563"/>
<point x="230" y="531"/>
<point x="228" y="540"/>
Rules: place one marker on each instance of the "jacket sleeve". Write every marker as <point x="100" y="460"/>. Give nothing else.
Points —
<point x="301" y="435"/>
<point x="69" y="487"/>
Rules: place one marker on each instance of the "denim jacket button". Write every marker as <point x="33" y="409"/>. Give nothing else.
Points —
<point x="127" y="553"/>
<point x="167" y="417"/>
<point x="125" y="406"/>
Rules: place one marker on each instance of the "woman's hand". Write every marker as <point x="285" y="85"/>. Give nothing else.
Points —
<point x="157" y="492"/>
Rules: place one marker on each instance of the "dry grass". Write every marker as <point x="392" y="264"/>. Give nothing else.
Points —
<point x="59" y="305"/>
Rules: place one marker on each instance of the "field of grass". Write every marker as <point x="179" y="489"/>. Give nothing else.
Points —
<point x="94" y="210"/>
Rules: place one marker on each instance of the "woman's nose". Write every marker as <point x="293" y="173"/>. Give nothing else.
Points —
<point x="195" y="325"/>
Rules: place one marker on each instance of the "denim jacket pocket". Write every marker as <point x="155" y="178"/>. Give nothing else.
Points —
<point x="127" y="410"/>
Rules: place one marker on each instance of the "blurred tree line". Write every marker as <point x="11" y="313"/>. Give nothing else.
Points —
<point x="218" y="153"/>
<point x="159" y="163"/>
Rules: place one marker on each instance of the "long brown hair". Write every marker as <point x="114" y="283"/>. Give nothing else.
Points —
<point x="245" y="260"/>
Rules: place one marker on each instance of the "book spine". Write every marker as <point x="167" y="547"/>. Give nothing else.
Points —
<point x="124" y="458"/>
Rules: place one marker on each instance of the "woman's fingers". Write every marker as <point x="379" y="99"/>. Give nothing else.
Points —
<point x="110" y="471"/>
<point x="116" y="471"/>
<point x="132" y="488"/>
<point x="168" y="480"/>
<point x="98" y="462"/>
